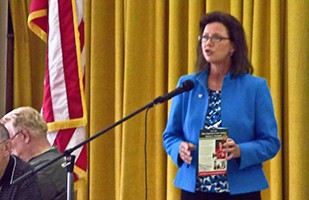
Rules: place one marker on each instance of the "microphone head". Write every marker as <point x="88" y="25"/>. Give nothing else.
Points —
<point x="187" y="85"/>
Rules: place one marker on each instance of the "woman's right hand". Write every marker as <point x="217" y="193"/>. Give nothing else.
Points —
<point x="185" y="151"/>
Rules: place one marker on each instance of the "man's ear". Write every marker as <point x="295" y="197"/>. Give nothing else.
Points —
<point x="26" y="135"/>
<point x="8" y="146"/>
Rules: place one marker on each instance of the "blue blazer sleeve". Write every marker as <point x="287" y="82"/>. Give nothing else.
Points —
<point x="266" y="143"/>
<point x="172" y="136"/>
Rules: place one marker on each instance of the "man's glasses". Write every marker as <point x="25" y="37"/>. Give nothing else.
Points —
<point x="214" y="38"/>
<point x="3" y="141"/>
<point x="14" y="136"/>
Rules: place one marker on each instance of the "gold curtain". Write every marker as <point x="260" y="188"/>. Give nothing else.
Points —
<point x="136" y="51"/>
<point x="29" y="58"/>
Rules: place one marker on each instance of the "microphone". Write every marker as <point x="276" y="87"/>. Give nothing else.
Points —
<point x="185" y="86"/>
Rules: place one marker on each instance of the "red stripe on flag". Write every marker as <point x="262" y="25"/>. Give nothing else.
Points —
<point x="81" y="161"/>
<point x="47" y="99"/>
<point x="70" y="62"/>
<point x="63" y="138"/>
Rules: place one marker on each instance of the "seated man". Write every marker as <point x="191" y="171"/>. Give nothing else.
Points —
<point x="28" y="131"/>
<point x="11" y="168"/>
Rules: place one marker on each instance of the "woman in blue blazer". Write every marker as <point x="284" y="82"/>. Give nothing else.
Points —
<point x="225" y="94"/>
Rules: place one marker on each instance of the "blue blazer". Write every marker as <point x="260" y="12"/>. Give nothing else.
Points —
<point x="246" y="110"/>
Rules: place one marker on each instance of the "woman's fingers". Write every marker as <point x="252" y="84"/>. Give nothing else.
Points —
<point x="185" y="151"/>
<point x="232" y="149"/>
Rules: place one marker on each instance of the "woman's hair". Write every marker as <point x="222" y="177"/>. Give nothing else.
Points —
<point x="236" y="33"/>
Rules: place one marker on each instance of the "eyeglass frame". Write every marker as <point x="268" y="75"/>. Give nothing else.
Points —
<point x="4" y="141"/>
<point x="14" y="136"/>
<point x="213" y="39"/>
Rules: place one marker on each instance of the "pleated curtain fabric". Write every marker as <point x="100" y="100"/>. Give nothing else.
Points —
<point x="136" y="51"/>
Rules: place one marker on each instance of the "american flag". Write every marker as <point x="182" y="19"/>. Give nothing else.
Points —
<point x="60" y="24"/>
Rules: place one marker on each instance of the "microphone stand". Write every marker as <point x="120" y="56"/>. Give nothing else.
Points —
<point x="69" y="164"/>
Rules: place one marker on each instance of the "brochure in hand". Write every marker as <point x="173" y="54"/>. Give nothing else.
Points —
<point x="211" y="157"/>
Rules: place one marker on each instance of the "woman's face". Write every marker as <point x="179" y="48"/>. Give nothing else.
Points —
<point x="217" y="48"/>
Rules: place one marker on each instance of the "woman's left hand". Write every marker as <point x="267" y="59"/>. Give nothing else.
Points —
<point x="231" y="148"/>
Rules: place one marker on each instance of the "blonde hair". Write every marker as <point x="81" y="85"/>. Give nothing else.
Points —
<point x="27" y="117"/>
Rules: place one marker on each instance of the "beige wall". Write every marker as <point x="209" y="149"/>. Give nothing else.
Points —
<point x="3" y="48"/>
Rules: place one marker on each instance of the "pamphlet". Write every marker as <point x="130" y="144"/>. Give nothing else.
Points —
<point x="211" y="157"/>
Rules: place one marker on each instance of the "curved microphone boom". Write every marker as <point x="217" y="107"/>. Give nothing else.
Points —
<point x="185" y="86"/>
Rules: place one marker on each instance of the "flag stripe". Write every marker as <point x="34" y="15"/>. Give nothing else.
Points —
<point x="80" y="162"/>
<point x="47" y="110"/>
<point x="70" y="63"/>
<point x="63" y="138"/>
<point x="56" y="84"/>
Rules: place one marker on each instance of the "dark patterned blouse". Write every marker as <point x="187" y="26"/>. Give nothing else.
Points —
<point x="213" y="183"/>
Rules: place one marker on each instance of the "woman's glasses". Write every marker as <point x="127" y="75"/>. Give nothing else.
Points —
<point x="214" y="38"/>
